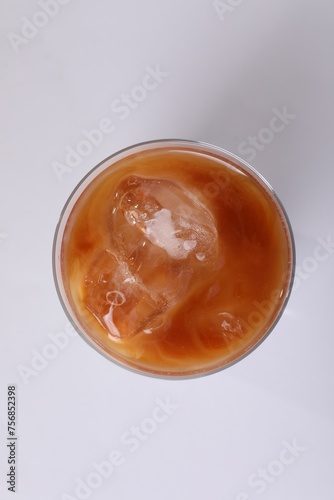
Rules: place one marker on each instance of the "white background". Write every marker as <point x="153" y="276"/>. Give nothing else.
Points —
<point x="225" y="71"/>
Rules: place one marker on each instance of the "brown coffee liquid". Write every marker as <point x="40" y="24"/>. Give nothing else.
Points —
<point x="176" y="262"/>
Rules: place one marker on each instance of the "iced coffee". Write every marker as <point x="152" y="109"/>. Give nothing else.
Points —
<point x="174" y="258"/>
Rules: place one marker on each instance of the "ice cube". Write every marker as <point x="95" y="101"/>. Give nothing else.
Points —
<point x="118" y="299"/>
<point x="163" y="239"/>
<point x="165" y="214"/>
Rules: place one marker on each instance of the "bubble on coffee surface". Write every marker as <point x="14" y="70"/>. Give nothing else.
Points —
<point x="230" y="327"/>
<point x="229" y="323"/>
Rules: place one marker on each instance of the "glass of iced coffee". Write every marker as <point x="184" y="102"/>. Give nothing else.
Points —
<point x="173" y="258"/>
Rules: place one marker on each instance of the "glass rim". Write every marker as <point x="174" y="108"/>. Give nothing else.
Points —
<point x="107" y="162"/>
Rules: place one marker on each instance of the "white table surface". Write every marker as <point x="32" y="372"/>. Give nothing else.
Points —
<point x="260" y="429"/>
